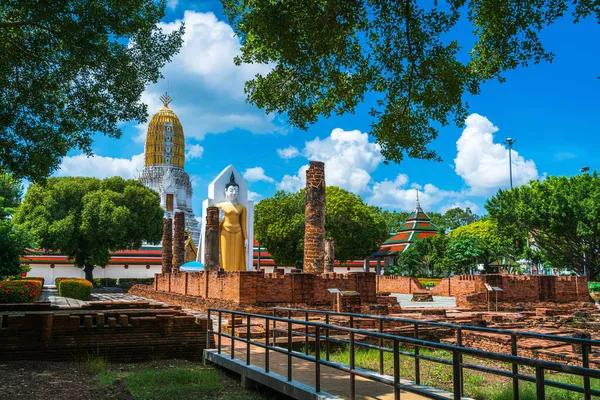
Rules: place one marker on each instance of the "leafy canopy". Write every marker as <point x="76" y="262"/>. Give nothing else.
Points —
<point x="86" y="218"/>
<point x="562" y="215"/>
<point x="70" y="69"/>
<point x="13" y="240"/>
<point x="328" y="55"/>
<point x="483" y="243"/>
<point x="356" y="227"/>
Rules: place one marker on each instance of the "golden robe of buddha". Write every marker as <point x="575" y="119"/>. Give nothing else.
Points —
<point x="232" y="231"/>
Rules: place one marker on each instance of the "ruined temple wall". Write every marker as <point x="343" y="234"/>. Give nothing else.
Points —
<point x="250" y="287"/>
<point x="398" y="284"/>
<point x="526" y="288"/>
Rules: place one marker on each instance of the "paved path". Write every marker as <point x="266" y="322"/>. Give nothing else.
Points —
<point x="333" y="381"/>
<point x="438" y="301"/>
<point x="49" y="293"/>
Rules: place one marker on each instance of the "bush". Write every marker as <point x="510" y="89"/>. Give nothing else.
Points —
<point x="105" y="282"/>
<point x="135" y="281"/>
<point x="594" y="286"/>
<point x="75" y="288"/>
<point x="20" y="291"/>
<point x="33" y="278"/>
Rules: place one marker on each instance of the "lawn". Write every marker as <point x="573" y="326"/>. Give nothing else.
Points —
<point x="478" y="385"/>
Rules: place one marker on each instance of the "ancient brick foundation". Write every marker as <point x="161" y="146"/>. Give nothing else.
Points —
<point x="398" y="284"/>
<point x="167" y="243"/>
<point x="119" y="332"/>
<point x="516" y="288"/>
<point x="314" y="233"/>
<point x="257" y="287"/>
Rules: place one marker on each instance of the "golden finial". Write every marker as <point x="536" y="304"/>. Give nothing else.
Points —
<point x="166" y="99"/>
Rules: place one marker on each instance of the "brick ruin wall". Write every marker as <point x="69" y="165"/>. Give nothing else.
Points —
<point x="516" y="288"/>
<point x="258" y="287"/>
<point x="120" y="335"/>
<point x="398" y="284"/>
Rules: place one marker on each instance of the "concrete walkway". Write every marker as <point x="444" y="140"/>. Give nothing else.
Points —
<point x="333" y="381"/>
<point x="438" y="301"/>
<point x="49" y="293"/>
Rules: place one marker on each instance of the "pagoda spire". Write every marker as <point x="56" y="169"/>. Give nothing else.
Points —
<point x="166" y="99"/>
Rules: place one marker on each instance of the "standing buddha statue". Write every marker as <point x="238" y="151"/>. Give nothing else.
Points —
<point x="233" y="238"/>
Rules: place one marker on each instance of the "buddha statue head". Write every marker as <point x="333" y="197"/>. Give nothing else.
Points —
<point x="232" y="189"/>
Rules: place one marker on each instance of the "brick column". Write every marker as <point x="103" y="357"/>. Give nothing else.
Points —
<point x="167" y="246"/>
<point x="314" y="222"/>
<point x="329" y="255"/>
<point x="178" y="241"/>
<point x="211" y="240"/>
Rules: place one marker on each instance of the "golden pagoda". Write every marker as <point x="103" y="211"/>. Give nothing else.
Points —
<point x="165" y="142"/>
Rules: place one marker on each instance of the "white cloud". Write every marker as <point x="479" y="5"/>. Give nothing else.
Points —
<point x="172" y="4"/>
<point x="288" y="152"/>
<point x="256" y="174"/>
<point x="397" y="194"/>
<point x="253" y="195"/>
<point x="461" y="204"/>
<point x="349" y="159"/>
<point x="207" y="87"/>
<point x="194" y="151"/>
<point x="101" y="167"/>
<point x="483" y="164"/>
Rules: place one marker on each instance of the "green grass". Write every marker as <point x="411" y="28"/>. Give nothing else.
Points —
<point x="179" y="383"/>
<point x="172" y="380"/>
<point x="95" y="364"/>
<point x="481" y="386"/>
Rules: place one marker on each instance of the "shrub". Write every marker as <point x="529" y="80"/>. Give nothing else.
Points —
<point x="34" y="278"/>
<point x="105" y="282"/>
<point x="135" y="281"/>
<point x="594" y="286"/>
<point x="75" y="288"/>
<point x="20" y="291"/>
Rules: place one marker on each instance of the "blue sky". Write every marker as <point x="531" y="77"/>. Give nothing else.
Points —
<point x="552" y="110"/>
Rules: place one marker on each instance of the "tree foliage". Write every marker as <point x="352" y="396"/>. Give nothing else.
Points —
<point x="423" y="258"/>
<point x="13" y="240"/>
<point x="484" y="243"/>
<point x="356" y="227"/>
<point x="70" y="69"/>
<point x="86" y="218"/>
<point x="327" y="55"/>
<point x="562" y="215"/>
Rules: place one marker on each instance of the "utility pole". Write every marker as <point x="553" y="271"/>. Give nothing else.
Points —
<point x="510" y="142"/>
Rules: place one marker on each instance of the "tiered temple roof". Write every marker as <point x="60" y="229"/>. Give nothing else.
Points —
<point x="417" y="227"/>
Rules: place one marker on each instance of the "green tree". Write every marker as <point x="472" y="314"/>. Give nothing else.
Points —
<point x="457" y="217"/>
<point x="394" y="219"/>
<point x="86" y="218"/>
<point x="327" y="55"/>
<point x="423" y="258"/>
<point x="561" y="214"/>
<point x="70" y="69"/>
<point x="462" y="254"/>
<point x="486" y="242"/>
<point x="13" y="240"/>
<point x="358" y="229"/>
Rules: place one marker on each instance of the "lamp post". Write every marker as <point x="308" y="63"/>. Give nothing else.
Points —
<point x="509" y="142"/>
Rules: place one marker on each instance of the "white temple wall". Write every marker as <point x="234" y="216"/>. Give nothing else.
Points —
<point x="111" y="271"/>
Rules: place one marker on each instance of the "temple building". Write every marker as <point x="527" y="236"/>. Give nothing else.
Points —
<point x="417" y="227"/>
<point x="163" y="166"/>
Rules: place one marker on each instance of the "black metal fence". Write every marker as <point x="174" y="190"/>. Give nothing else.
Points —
<point x="322" y="333"/>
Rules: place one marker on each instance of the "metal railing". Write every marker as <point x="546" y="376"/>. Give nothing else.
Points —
<point x="586" y="345"/>
<point x="380" y="337"/>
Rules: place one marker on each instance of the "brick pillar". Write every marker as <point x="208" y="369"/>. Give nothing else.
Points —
<point x="167" y="246"/>
<point x="314" y="222"/>
<point x="329" y="255"/>
<point x="211" y="240"/>
<point x="178" y="241"/>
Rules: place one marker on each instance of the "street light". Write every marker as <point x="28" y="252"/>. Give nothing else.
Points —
<point x="509" y="142"/>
